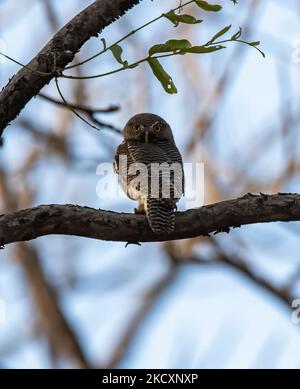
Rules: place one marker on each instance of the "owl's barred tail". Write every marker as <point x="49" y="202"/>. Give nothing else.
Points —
<point x="161" y="216"/>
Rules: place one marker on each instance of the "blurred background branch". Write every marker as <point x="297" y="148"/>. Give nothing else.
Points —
<point x="106" y="225"/>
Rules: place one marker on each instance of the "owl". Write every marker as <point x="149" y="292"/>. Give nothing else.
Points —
<point x="150" y="170"/>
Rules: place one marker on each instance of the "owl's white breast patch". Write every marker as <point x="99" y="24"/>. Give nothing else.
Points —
<point x="133" y="192"/>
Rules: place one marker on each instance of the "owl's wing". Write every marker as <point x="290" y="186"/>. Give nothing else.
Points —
<point x="122" y="150"/>
<point x="121" y="168"/>
<point x="174" y="156"/>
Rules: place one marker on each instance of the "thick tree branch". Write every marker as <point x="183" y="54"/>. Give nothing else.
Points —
<point x="105" y="225"/>
<point x="57" y="53"/>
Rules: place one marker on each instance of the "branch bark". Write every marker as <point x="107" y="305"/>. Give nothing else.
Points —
<point x="112" y="226"/>
<point x="64" y="45"/>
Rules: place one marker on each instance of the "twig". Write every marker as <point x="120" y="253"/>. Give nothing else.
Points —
<point x="88" y="111"/>
<point x="78" y="107"/>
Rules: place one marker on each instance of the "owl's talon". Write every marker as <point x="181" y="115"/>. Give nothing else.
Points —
<point x="139" y="211"/>
<point x="136" y="243"/>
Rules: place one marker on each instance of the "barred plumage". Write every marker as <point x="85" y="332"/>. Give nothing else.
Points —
<point x="157" y="180"/>
<point x="160" y="215"/>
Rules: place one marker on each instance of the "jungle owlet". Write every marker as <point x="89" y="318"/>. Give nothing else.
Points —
<point x="150" y="169"/>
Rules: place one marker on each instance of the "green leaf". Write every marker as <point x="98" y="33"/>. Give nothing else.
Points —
<point x="117" y="53"/>
<point x="237" y="35"/>
<point x="255" y="45"/>
<point x="208" y="7"/>
<point x="220" y="33"/>
<point x="176" y="19"/>
<point x="172" y="45"/>
<point x="162" y="76"/>
<point x="104" y="43"/>
<point x="202" y="49"/>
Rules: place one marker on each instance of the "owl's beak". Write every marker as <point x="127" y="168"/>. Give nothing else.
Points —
<point x="146" y="136"/>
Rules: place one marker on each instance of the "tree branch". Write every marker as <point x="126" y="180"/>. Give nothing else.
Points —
<point x="57" y="53"/>
<point x="78" y="107"/>
<point x="88" y="111"/>
<point x="112" y="226"/>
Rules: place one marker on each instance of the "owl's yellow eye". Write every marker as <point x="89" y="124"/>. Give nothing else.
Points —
<point x="157" y="128"/>
<point x="136" y="128"/>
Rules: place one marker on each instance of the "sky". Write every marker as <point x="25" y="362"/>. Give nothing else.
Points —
<point x="211" y="316"/>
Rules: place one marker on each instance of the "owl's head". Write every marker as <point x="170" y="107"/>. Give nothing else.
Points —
<point x="147" y="128"/>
